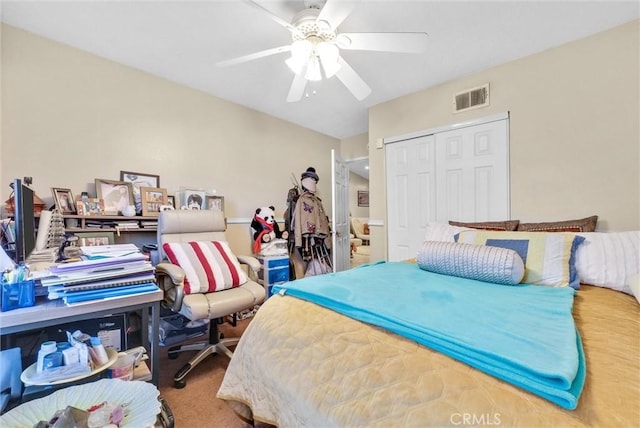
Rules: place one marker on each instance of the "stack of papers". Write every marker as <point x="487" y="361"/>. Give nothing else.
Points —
<point x="106" y="271"/>
<point x="109" y="251"/>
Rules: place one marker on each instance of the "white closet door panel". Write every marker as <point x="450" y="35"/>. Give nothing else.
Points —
<point x="458" y="174"/>
<point x="482" y="193"/>
<point x="410" y="195"/>
<point x="473" y="176"/>
<point x="402" y="191"/>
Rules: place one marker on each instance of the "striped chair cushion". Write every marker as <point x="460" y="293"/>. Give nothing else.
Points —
<point x="489" y="264"/>
<point x="208" y="265"/>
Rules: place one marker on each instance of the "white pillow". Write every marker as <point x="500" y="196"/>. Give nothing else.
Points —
<point x="442" y="232"/>
<point x="634" y="284"/>
<point x="609" y="259"/>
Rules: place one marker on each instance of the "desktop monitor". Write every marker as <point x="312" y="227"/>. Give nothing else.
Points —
<point x="25" y="233"/>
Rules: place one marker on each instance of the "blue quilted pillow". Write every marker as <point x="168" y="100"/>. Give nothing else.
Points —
<point x="484" y="263"/>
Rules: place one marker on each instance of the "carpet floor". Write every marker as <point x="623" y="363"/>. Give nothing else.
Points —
<point x="196" y="404"/>
<point x="360" y="256"/>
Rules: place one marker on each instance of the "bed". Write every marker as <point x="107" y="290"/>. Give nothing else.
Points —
<point x="301" y="363"/>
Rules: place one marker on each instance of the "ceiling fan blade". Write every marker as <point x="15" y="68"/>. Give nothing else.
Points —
<point x="297" y="88"/>
<point x="276" y="18"/>
<point x="335" y="11"/>
<point x="255" y="55"/>
<point x="352" y="80"/>
<point x="384" y="42"/>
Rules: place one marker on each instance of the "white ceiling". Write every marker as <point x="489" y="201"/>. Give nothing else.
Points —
<point x="183" y="40"/>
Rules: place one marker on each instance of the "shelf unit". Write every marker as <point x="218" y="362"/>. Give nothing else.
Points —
<point x="139" y="236"/>
<point x="83" y="219"/>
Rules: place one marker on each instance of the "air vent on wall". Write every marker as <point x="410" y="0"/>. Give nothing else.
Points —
<point x="471" y="98"/>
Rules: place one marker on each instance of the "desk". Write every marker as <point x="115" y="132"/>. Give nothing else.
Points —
<point x="55" y="312"/>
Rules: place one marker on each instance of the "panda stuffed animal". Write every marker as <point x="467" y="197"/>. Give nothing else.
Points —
<point x="265" y="229"/>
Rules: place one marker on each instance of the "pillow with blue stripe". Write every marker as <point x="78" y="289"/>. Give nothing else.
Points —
<point x="549" y="258"/>
<point x="484" y="263"/>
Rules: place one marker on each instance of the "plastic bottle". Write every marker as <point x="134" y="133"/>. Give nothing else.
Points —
<point x="52" y="360"/>
<point x="46" y="348"/>
<point x="99" y="353"/>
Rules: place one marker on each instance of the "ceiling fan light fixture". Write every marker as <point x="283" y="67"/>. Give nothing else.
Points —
<point x="313" y="69"/>
<point x="329" y="54"/>
<point x="300" y="53"/>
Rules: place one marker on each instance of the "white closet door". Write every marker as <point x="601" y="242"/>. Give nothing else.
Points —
<point x="472" y="173"/>
<point x="411" y="190"/>
<point x="459" y="174"/>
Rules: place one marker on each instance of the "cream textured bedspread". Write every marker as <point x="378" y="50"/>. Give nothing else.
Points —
<point x="299" y="365"/>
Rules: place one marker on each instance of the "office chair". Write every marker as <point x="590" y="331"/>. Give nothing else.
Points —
<point x="202" y="279"/>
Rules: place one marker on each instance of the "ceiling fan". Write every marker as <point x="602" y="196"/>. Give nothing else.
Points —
<point x="316" y="45"/>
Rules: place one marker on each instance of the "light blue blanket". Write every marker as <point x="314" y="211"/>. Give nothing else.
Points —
<point x="523" y="334"/>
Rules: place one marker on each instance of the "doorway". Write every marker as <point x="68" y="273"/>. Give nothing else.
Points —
<point x="359" y="211"/>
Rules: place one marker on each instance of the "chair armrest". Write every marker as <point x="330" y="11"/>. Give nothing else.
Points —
<point x="170" y="279"/>
<point x="253" y="264"/>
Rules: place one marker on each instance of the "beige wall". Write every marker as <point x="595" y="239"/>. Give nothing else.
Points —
<point x="355" y="147"/>
<point x="357" y="183"/>
<point x="69" y="117"/>
<point x="574" y="130"/>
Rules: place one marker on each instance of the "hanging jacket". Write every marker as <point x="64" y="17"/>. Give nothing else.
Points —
<point x="309" y="218"/>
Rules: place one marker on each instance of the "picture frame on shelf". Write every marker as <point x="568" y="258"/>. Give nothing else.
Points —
<point x="116" y="195"/>
<point x="152" y="199"/>
<point x="93" y="206"/>
<point x="194" y="199"/>
<point x="89" y="239"/>
<point x="139" y="180"/>
<point x="171" y="200"/>
<point x="215" y="203"/>
<point x="363" y="198"/>
<point x="64" y="201"/>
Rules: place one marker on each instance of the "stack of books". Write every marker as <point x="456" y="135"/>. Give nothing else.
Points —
<point x="127" y="225"/>
<point x="106" y="271"/>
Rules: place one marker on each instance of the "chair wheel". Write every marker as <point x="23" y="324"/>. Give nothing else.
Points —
<point x="179" y="384"/>
<point x="172" y="355"/>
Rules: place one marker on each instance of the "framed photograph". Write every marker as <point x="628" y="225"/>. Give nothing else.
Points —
<point x="89" y="239"/>
<point x="171" y="200"/>
<point x="363" y="198"/>
<point x="116" y="195"/>
<point x="93" y="206"/>
<point x="194" y="199"/>
<point x="138" y="180"/>
<point x="64" y="200"/>
<point x="153" y="198"/>
<point x="215" y="203"/>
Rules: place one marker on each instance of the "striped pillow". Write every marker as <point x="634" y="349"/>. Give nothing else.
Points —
<point x="208" y="266"/>
<point x="549" y="258"/>
<point x="489" y="264"/>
